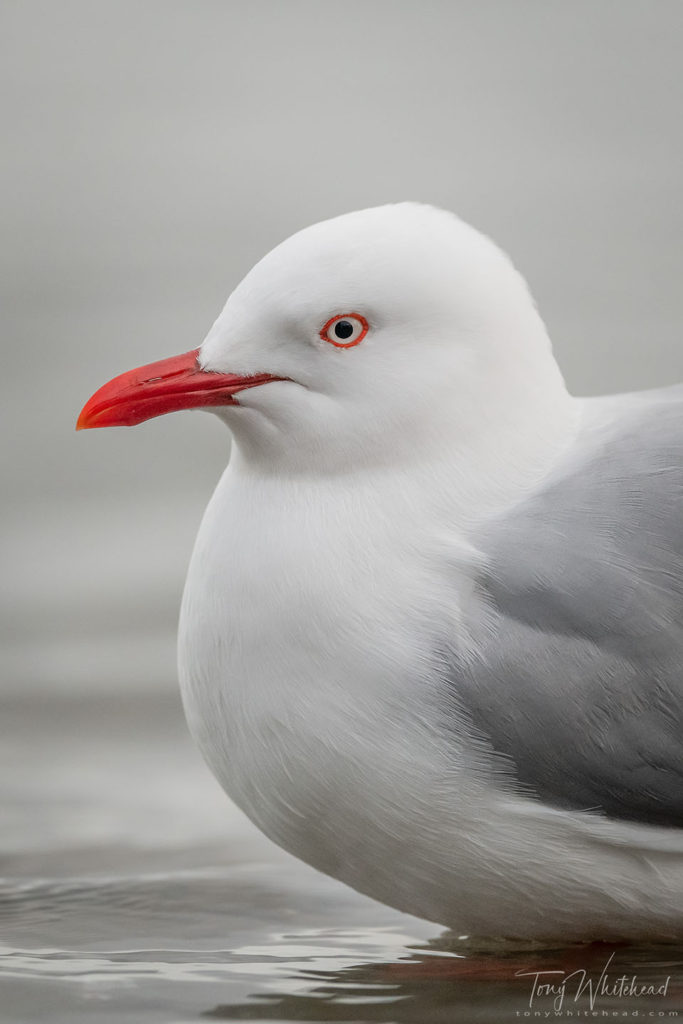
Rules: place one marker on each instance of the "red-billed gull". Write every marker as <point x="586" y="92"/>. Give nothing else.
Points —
<point x="432" y="633"/>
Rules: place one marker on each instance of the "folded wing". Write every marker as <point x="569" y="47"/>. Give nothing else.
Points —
<point x="575" y="675"/>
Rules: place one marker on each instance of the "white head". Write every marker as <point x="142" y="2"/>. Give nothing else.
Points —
<point x="439" y="338"/>
<point x="452" y="335"/>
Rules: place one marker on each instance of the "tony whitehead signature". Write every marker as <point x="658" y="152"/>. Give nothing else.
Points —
<point x="571" y="987"/>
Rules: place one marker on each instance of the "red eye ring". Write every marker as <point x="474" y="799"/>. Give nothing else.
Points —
<point x="360" y="329"/>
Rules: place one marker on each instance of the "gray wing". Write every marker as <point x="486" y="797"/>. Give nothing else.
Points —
<point x="577" y="622"/>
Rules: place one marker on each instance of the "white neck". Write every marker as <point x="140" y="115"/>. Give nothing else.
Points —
<point x="496" y="456"/>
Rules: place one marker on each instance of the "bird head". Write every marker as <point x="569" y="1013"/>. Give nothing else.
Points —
<point x="379" y="331"/>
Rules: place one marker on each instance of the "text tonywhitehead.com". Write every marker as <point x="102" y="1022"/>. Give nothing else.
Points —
<point x="562" y="993"/>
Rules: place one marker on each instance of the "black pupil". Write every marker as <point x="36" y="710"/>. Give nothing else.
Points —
<point x="343" y="329"/>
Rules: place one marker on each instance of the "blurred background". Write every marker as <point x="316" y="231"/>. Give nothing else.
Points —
<point x="153" y="150"/>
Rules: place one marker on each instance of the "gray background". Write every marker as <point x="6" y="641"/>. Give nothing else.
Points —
<point x="152" y="151"/>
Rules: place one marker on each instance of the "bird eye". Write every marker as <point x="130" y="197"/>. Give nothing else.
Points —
<point x="345" y="331"/>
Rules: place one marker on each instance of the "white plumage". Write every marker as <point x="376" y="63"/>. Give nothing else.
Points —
<point x="336" y="621"/>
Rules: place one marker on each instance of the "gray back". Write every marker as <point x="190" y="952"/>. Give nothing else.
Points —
<point x="578" y="623"/>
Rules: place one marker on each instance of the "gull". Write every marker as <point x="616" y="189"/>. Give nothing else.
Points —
<point x="431" y="639"/>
